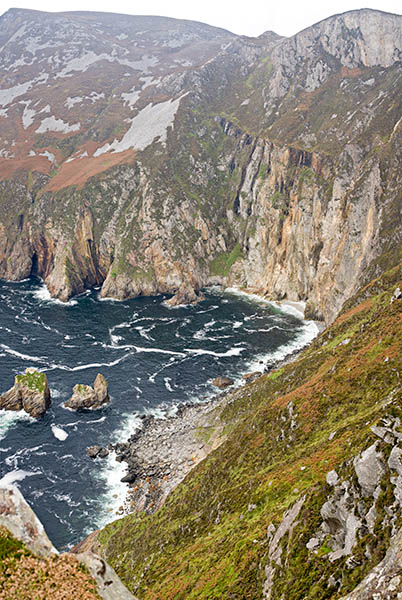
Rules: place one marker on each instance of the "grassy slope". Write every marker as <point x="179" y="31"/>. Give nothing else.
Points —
<point x="210" y="538"/>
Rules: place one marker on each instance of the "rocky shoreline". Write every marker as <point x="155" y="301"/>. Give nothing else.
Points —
<point x="162" y="452"/>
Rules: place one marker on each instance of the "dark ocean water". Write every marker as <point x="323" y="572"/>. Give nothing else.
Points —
<point x="154" y="359"/>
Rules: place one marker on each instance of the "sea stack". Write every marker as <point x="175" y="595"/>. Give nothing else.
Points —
<point x="87" y="397"/>
<point x="30" y="393"/>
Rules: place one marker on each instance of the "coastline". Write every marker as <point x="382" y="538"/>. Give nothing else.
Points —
<point x="163" y="451"/>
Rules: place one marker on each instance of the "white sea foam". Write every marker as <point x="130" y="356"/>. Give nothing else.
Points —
<point x="12" y="476"/>
<point x="9" y="350"/>
<point x="43" y="295"/>
<point x="111" y="472"/>
<point x="8" y="418"/>
<point x="167" y="381"/>
<point x="59" y="433"/>
<point x="231" y="352"/>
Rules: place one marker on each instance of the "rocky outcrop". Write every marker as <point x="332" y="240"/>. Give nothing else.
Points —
<point x="222" y="382"/>
<point x="30" y="393"/>
<point x="97" y="452"/>
<point x="18" y="518"/>
<point x="87" y="397"/>
<point x="185" y="295"/>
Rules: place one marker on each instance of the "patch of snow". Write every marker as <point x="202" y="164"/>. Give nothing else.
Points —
<point x="69" y="103"/>
<point x="130" y="97"/>
<point x="48" y="155"/>
<point x="53" y="124"/>
<point x="173" y="44"/>
<point x="28" y="115"/>
<point x="19" y="33"/>
<point x="149" y="81"/>
<point x="46" y="109"/>
<point x="183" y="62"/>
<point x="82" y="63"/>
<point x="3" y="112"/>
<point x="151" y="122"/>
<point x="122" y="36"/>
<point x="140" y="65"/>
<point x="94" y="96"/>
<point x="9" y="94"/>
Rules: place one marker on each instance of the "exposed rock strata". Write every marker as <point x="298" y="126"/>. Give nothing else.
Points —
<point x="87" y="397"/>
<point x="30" y="393"/>
<point x="20" y="520"/>
<point x="288" y="185"/>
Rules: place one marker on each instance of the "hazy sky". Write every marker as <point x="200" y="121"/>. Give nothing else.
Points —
<point x="249" y="17"/>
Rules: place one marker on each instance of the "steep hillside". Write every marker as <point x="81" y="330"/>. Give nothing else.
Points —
<point x="153" y="155"/>
<point x="303" y="496"/>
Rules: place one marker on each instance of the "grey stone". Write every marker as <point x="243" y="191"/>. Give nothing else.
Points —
<point x="369" y="467"/>
<point x="332" y="478"/>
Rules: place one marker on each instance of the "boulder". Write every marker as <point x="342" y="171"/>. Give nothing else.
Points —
<point x="251" y="376"/>
<point x="97" y="452"/>
<point x="87" y="397"/>
<point x="30" y="392"/>
<point x="185" y="295"/>
<point x="222" y="382"/>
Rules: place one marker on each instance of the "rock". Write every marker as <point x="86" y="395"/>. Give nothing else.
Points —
<point x="369" y="469"/>
<point x="222" y="382"/>
<point x="109" y="585"/>
<point x="30" y="392"/>
<point x="101" y="389"/>
<point x="18" y="517"/>
<point x="129" y="478"/>
<point x="185" y="295"/>
<point x="251" y="376"/>
<point x="86" y="397"/>
<point x="11" y="400"/>
<point x="397" y="295"/>
<point x="97" y="452"/>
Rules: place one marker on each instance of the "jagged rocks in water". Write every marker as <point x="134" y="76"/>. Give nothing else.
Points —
<point x="85" y="396"/>
<point x="222" y="382"/>
<point x="129" y="478"/>
<point x="30" y="393"/>
<point x="97" y="452"/>
<point x="186" y="295"/>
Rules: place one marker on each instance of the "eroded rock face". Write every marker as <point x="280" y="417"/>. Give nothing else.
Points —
<point x="20" y="520"/>
<point x="185" y="295"/>
<point x="30" y="393"/>
<point x="18" y="517"/>
<point x="87" y="397"/>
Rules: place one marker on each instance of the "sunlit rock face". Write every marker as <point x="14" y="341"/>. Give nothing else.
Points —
<point x="154" y="155"/>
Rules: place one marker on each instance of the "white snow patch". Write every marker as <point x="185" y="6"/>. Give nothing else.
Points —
<point x="140" y="65"/>
<point x="130" y="97"/>
<point x="46" y="109"/>
<point x="53" y="124"/>
<point x="48" y="155"/>
<point x="9" y="94"/>
<point x="3" y="112"/>
<point x="183" y="62"/>
<point x="150" y="123"/>
<point x="122" y="36"/>
<point x="94" y="96"/>
<point x="149" y="81"/>
<point x="28" y="115"/>
<point x="69" y="103"/>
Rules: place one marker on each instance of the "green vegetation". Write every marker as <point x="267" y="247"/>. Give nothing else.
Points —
<point x="222" y="264"/>
<point x="284" y="432"/>
<point x="33" y="380"/>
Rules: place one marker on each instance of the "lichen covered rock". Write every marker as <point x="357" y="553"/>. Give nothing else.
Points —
<point x="30" y="393"/>
<point x="87" y="397"/>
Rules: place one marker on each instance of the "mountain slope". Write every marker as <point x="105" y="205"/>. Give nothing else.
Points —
<point x="302" y="497"/>
<point x="155" y="155"/>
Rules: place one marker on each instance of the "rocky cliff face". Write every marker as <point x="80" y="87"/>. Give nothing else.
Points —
<point x="156" y="155"/>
